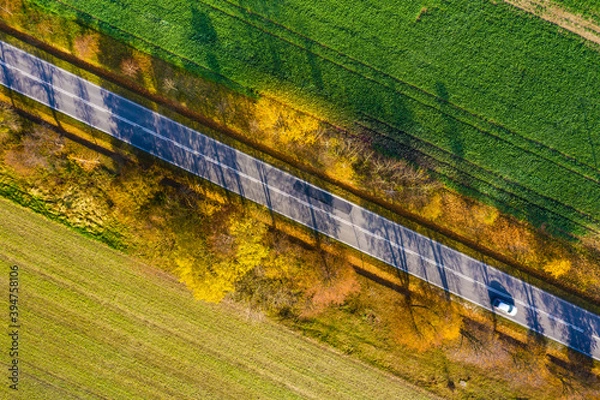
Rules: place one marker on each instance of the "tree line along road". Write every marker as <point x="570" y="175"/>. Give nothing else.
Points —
<point x="298" y="200"/>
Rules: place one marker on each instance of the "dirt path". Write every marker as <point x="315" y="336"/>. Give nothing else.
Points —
<point x="552" y="12"/>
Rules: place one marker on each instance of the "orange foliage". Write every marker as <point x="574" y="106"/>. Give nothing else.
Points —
<point x="325" y="293"/>
<point x="86" y="46"/>
<point x="518" y="241"/>
<point x="422" y="327"/>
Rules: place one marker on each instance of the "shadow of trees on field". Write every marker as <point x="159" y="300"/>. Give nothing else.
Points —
<point x="204" y="36"/>
<point x="450" y="125"/>
<point x="112" y="53"/>
<point x="279" y="54"/>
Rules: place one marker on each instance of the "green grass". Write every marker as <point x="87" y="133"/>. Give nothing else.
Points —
<point x="97" y="324"/>
<point x="501" y="103"/>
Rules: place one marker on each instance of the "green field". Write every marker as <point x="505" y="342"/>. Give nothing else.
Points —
<point x="97" y="324"/>
<point x="497" y="102"/>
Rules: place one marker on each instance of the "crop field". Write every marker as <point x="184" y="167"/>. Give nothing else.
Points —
<point x="498" y="103"/>
<point x="97" y="324"/>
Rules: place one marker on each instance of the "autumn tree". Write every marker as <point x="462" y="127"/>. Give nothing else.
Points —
<point x="211" y="275"/>
<point x="285" y="124"/>
<point x="333" y="292"/>
<point x="38" y="148"/>
<point x="130" y="67"/>
<point x="87" y="46"/>
<point x="424" y="318"/>
<point x="132" y="190"/>
<point x="434" y="208"/>
<point x="10" y="123"/>
<point x="557" y="267"/>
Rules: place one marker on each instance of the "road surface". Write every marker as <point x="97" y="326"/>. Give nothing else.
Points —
<point x="298" y="200"/>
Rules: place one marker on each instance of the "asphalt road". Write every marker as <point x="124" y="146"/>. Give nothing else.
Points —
<point x="287" y="195"/>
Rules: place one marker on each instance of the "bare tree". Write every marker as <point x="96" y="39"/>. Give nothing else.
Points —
<point x="169" y="85"/>
<point x="9" y="119"/>
<point x="86" y="46"/>
<point x="130" y="67"/>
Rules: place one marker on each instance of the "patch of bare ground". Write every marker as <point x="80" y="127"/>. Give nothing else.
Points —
<point x="554" y="13"/>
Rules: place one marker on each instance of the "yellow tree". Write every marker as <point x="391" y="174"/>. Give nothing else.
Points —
<point x="213" y="273"/>
<point x="286" y="124"/>
<point x="558" y="267"/>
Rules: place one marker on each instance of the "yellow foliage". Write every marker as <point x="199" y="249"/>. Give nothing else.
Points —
<point x="433" y="209"/>
<point x="486" y="214"/>
<point x="280" y="266"/>
<point x="248" y="234"/>
<point x="557" y="268"/>
<point x="203" y="285"/>
<point x="144" y="63"/>
<point x="421" y="328"/>
<point x="86" y="158"/>
<point x="209" y="208"/>
<point x="295" y="266"/>
<point x="342" y="171"/>
<point x="215" y="195"/>
<point x="132" y="191"/>
<point x="211" y="278"/>
<point x="491" y="216"/>
<point x="286" y="124"/>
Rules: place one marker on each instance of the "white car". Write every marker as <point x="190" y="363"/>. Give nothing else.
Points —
<point x="508" y="309"/>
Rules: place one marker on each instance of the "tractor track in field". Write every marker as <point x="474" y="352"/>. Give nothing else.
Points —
<point x="554" y="13"/>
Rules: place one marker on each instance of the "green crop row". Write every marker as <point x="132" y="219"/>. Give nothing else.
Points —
<point x="502" y="96"/>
